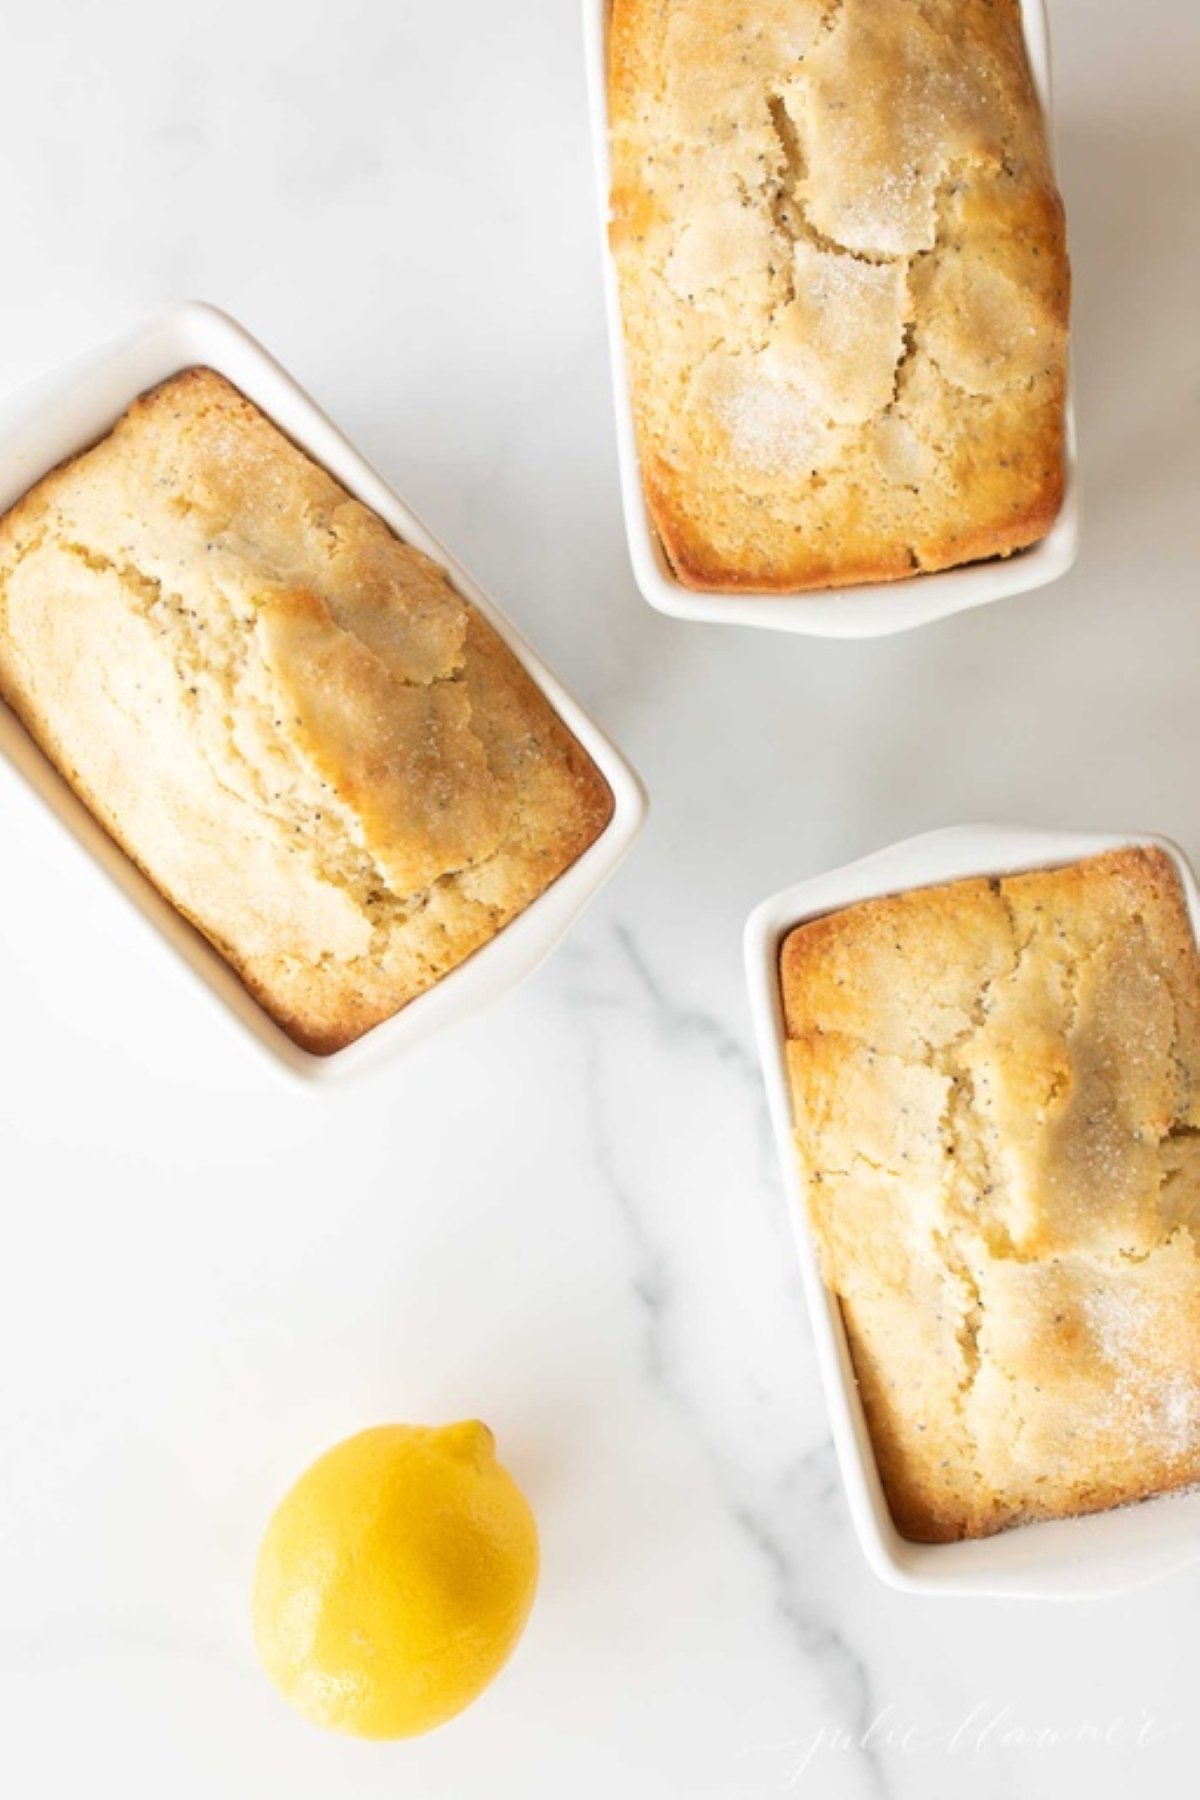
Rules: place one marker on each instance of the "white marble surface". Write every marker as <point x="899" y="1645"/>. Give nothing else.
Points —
<point x="564" y="1217"/>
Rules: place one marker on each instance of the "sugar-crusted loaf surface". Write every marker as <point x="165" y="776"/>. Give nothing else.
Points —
<point x="844" y="285"/>
<point x="287" y="717"/>
<point x="996" y="1093"/>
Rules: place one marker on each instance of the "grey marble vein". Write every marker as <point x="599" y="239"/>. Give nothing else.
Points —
<point x="808" y="1489"/>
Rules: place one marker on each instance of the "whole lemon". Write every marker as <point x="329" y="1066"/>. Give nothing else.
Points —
<point x="395" y="1579"/>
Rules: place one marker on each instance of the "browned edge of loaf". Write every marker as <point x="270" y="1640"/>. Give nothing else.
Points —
<point x="988" y="543"/>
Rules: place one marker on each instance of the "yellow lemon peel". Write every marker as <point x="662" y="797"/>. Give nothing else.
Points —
<point x="395" y="1578"/>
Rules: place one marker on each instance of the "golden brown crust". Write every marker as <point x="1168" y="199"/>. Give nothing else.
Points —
<point x="996" y="1092"/>
<point x="844" y="285"/>
<point x="291" y="722"/>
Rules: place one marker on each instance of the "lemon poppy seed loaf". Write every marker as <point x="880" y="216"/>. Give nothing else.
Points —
<point x="996" y="1095"/>
<point x="315" y="748"/>
<point x="841" y="261"/>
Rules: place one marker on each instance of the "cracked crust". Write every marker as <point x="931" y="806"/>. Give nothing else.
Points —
<point x="286" y="716"/>
<point x="996" y="1094"/>
<point x="844" y="285"/>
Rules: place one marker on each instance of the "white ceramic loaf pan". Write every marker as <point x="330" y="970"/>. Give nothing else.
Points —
<point x="874" y="609"/>
<point x="1085" y="1557"/>
<point x="62" y="414"/>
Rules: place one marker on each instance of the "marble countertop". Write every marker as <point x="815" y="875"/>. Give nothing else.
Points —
<point x="564" y="1216"/>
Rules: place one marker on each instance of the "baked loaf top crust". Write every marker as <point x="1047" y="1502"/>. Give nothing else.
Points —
<point x="997" y="1110"/>
<point x="287" y="717"/>
<point x="844" y="285"/>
